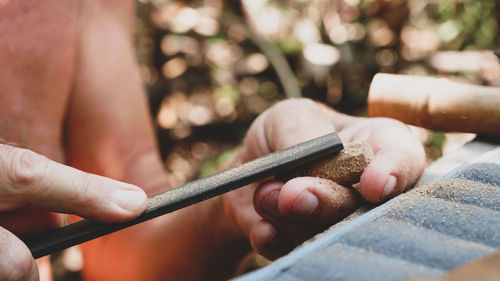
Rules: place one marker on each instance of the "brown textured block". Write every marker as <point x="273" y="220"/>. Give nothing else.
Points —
<point x="344" y="168"/>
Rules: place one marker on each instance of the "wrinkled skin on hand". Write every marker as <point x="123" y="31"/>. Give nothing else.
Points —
<point x="31" y="183"/>
<point x="277" y="216"/>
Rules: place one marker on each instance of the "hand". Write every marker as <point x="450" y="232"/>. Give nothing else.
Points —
<point x="283" y="215"/>
<point x="30" y="180"/>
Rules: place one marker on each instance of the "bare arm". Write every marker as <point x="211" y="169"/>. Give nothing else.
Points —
<point x="108" y="129"/>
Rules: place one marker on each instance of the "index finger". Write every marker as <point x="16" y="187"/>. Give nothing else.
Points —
<point x="28" y="178"/>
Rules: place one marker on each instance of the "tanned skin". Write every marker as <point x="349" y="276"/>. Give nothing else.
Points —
<point x="70" y="90"/>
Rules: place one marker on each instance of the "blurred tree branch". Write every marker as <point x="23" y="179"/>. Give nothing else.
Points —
<point x="276" y="58"/>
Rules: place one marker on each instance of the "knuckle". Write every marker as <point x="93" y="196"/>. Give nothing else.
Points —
<point x="83" y="185"/>
<point x="26" y="168"/>
<point x="302" y="103"/>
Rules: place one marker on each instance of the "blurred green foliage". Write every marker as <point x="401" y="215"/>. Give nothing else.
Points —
<point x="211" y="165"/>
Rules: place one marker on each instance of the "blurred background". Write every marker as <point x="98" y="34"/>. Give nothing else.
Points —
<point x="211" y="66"/>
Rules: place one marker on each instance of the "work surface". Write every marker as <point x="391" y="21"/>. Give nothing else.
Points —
<point x="444" y="222"/>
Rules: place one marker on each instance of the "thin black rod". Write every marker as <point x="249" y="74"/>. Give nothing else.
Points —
<point x="191" y="193"/>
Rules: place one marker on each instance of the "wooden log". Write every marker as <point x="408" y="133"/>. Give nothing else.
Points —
<point x="436" y="103"/>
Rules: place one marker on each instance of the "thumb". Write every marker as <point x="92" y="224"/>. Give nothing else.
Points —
<point x="27" y="178"/>
<point x="16" y="262"/>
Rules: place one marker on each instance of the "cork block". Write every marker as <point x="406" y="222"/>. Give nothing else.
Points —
<point x="344" y="168"/>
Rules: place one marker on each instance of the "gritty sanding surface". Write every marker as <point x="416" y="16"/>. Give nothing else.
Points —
<point x="344" y="168"/>
<point x="346" y="258"/>
<point x="425" y="232"/>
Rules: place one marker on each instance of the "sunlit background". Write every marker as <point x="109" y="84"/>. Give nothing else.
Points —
<point x="211" y="66"/>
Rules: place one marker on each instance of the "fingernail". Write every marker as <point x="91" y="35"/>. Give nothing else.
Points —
<point x="305" y="204"/>
<point x="129" y="200"/>
<point x="390" y="186"/>
<point x="270" y="204"/>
